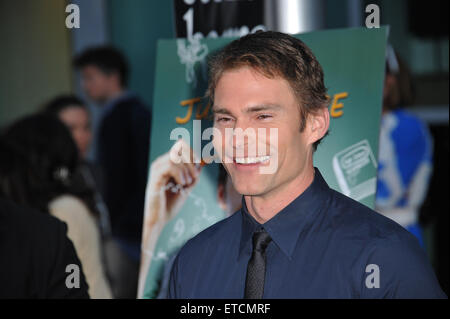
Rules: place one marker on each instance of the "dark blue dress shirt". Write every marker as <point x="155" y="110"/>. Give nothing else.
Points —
<point x="324" y="245"/>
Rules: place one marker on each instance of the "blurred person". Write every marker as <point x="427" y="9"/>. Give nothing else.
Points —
<point x="44" y="182"/>
<point x="34" y="248"/>
<point x="75" y="115"/>
<point x="35" y="254"/>
<point x="123" y="150"/>
<point x="405" y="152"/>
<point x="294" y="236"/>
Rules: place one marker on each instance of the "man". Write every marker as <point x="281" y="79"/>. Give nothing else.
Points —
<point x="38" y="260"/>
<point x="294" y="236"/>
<point x="123" y="148"/>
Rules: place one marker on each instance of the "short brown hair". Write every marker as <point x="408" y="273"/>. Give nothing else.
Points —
<point x="108" y="59"/>
<point x="275" y="54"/>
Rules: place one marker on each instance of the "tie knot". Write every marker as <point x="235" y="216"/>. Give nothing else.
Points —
<point x="261" y="240"/>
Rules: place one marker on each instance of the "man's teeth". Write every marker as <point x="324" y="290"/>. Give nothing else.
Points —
<point x="252" y="160"/>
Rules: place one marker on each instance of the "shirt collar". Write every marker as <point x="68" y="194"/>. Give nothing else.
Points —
<point x="287" y="225"/>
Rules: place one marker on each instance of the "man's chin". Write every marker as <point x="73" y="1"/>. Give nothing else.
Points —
<point x="250" y="189"/>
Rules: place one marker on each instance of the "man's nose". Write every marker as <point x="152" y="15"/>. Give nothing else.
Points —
<point x="244" y="137"/>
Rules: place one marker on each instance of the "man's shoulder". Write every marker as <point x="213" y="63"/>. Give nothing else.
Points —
<point x="376" y="238"/>
<point x="375" y="241"/>
<point x="355" y="220"/>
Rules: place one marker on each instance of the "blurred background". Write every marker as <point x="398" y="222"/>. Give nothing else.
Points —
<point x="37" y="50"/>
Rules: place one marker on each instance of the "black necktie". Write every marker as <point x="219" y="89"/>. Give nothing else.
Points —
<point x="256" y="269"/>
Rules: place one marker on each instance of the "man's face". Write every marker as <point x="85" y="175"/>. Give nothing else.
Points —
<point x="96" y="83"/>
<point x="246" y="99"/>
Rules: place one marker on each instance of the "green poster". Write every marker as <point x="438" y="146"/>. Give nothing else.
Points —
<point x="353" y="61"/>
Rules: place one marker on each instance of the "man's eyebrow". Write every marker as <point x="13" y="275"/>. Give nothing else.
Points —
<point x="220" y="110"/>
<point x="251" y="109"/>
<point x="262" y="107"/>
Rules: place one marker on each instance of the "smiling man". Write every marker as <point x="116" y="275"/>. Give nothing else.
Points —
<point x="294" y="236"/>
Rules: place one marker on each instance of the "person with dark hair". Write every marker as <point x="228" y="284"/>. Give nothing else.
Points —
<point x="104" y="73"/>
<point x="51" y="158"/>
<point x="123" y="142"/>
<point x="294" y="236"/>
<point x="75" y="115"/>
<point x="42" y="178"/>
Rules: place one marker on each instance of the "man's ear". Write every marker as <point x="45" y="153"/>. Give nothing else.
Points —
<point x="319" y="122"/>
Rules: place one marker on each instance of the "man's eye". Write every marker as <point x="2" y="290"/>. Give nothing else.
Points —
<point x="264" y="116"/>
<point x="223" y="119"/>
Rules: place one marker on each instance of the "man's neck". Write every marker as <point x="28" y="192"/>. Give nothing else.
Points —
<point x="264" y="208"/>
<point x="114" y="94"/>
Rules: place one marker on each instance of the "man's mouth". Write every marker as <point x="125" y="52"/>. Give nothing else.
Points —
<point x="251" y="160"/>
